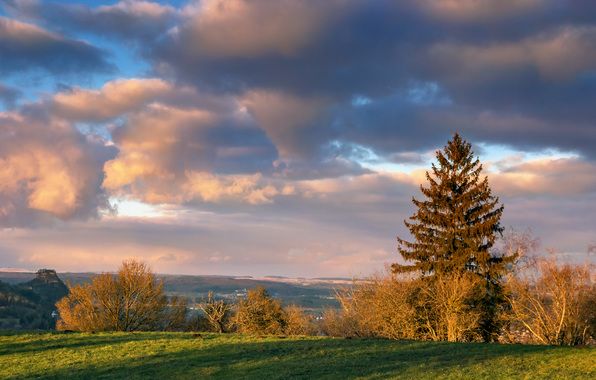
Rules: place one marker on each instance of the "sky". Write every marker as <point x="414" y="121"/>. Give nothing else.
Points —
<point x="284" y="137"/>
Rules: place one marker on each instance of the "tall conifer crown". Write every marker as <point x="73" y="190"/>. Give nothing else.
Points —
<point x="457" y="223"/>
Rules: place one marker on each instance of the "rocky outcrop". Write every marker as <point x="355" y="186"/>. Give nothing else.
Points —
<point x="30" y="305"/>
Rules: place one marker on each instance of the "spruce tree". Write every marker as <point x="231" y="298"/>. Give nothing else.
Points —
<point x="457" y="224"/>
<point x="455" y="227"/>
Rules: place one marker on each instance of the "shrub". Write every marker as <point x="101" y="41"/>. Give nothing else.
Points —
<point x="297" y="322"/>
<point x="437" y="308"/>
<point x="259" y="314"/>
<point x="339" y="323"/>
<point x="379" y="306"/>
<point x="445" y="307"/>
<point x="552" y="304"/>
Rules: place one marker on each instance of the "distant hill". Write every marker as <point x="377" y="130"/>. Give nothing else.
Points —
<point x="29" y="305"/>
<point x="312" y="294"/>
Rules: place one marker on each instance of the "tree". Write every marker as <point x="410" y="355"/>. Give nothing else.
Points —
<point x="456" y="225"/>
<point x="130" y="301"/>
<point x="217" y="312"/>
<point x="259" y="313"/>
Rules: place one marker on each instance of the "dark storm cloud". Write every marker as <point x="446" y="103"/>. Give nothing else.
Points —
<point x="25" y="47"/>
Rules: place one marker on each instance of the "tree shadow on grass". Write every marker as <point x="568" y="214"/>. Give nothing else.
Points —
<point x="325" y="358"/>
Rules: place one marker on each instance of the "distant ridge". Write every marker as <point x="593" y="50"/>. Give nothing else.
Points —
<point x="16" y="270"/>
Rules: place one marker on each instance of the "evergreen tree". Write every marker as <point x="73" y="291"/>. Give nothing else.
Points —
<point x="455" y="227"/>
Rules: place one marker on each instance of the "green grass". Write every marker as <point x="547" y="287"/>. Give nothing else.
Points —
<point x="184" y="355"/>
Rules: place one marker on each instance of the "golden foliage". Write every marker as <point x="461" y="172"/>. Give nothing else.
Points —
<point x="297" y="322"/>
<point x="342" y="324"/>
<point x="405" y="308"/>
<point x="130" y="301"/>
<point x="380" y="306"/>
<point x="445" y="307"/>
<point x="259" y="314"/>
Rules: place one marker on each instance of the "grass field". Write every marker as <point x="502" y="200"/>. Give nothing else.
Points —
<point x="187" y="355"/>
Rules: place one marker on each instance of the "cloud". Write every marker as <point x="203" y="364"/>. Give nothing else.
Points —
<point x="210" y="188"/>
<point x="201" y="245"/>
<point x="553" y="56"/>
<point x="129" y="19"/>
<point x="169" y="154"/>
<point x="523" y="59"/>
<point x="48" y="171"/>
<point x="480" y="10"/>
<point x="8" y="95"/>
<point x="540" y="69"/>
<point x="296" y="125"/>
<point x="268" y="118"/>
<point x="341" y="227"/>
<point x="545" y="177"/>
<point x="112" y="100"/>
<point x="239" y="28"/>
<point x="25" y="46"/>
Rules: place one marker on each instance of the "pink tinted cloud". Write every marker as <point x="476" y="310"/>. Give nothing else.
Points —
<point x="238" y="28"/>
<point x="114" y="99"/>
<point x="556" y="55"/>
<point x="48" y="170"/>
<point x="560" y="177"/>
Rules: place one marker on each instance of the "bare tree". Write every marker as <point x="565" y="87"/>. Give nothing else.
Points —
<point x="217" y="312"/>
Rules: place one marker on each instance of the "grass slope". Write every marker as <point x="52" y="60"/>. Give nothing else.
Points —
<point x="184" y="355"/>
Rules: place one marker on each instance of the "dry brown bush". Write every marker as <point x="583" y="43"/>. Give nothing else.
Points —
<point x="445" y="307"/>
<point x="552" y="304"/>
<point x="406" y="308"/>
<point x="341" y="324"/>
<point x="260" y="314"/>
<point x="297" y="322"/>
<point x="381" y="306"/>
<point x="132" y="300"/>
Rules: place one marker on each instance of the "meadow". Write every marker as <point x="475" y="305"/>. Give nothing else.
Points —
<point x="166" y="355"/>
